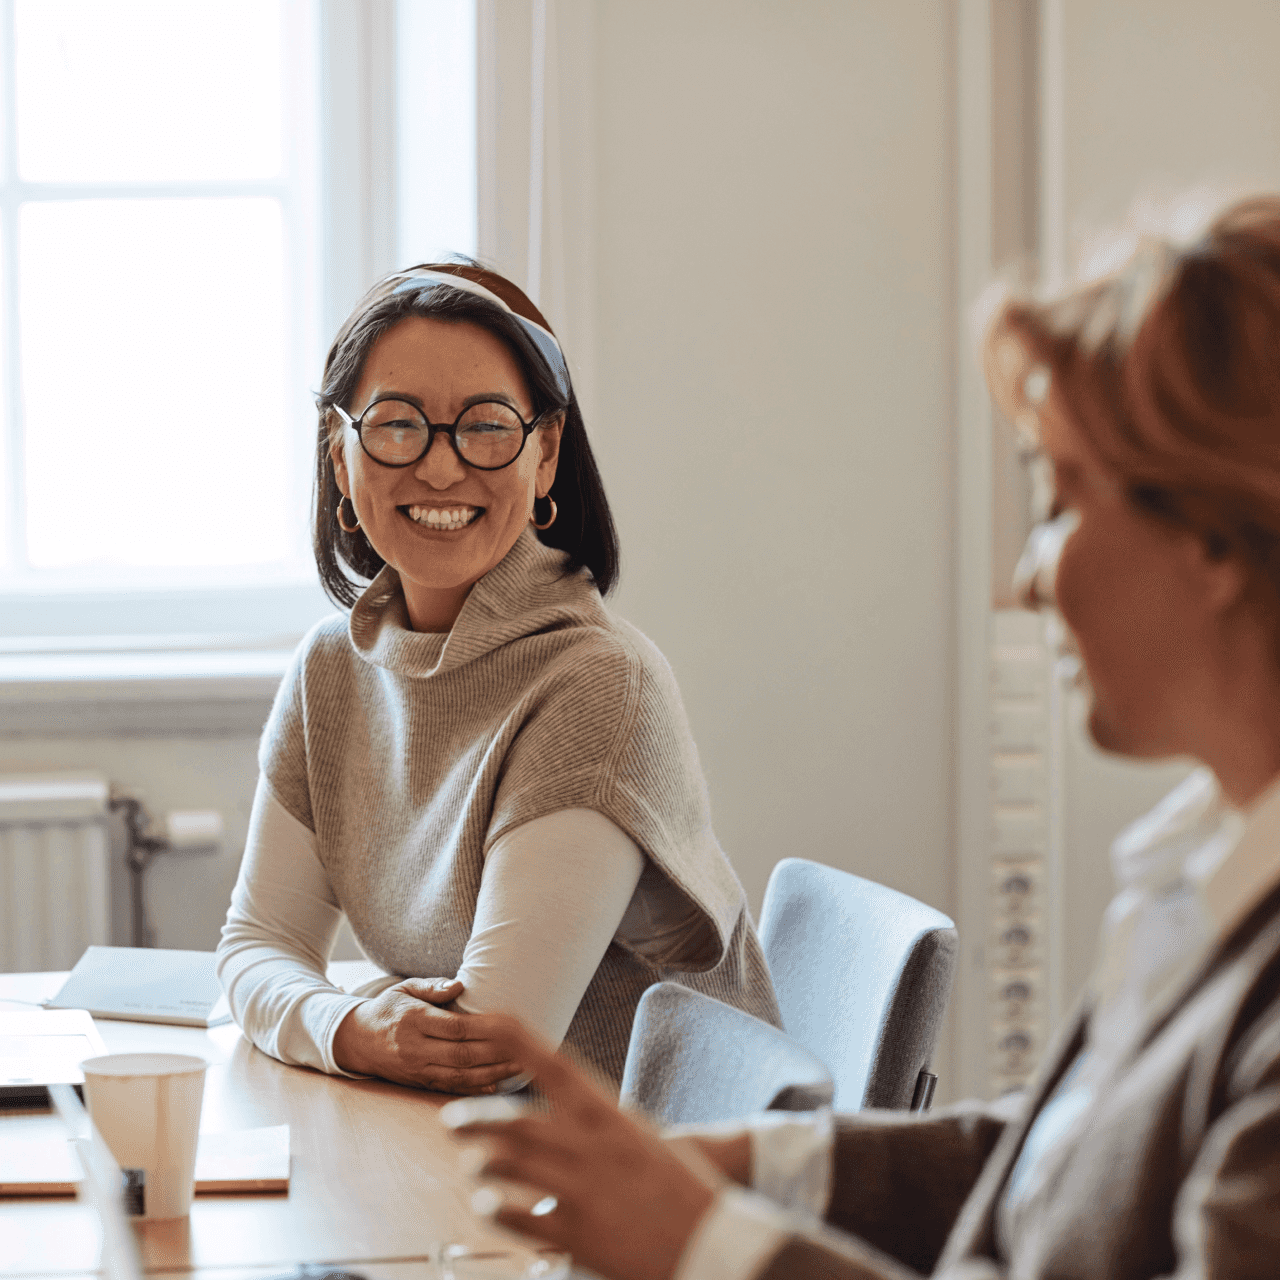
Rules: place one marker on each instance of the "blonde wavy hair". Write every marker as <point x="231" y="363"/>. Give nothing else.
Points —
<point x="1169" y="367"/>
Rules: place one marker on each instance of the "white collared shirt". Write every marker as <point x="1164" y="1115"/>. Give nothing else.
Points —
<point x="1187" y="874"/>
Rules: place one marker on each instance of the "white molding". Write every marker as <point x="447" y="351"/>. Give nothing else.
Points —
<point x="1052" y="145"/>
<point x="1053" y="235"/>
<point x="973" y="484"/>
<point x="378" y="83"/>
<point x="537" y="149"/>
<point x="358" y="131"/>
<point x="138" y="694"/>
<point x="225" y="674"/>
<point x="557" y="259"/>
<point x="570" y="277"/>
<point x="138" y="717"/>
<point x="487" y="130"/>
<point x="268" y="610"/>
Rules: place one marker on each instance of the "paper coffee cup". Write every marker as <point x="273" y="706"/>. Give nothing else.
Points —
<point x="146" y="1106"/>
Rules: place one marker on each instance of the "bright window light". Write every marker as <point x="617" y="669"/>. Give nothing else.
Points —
<point x="153" y="370"/>
<point x="148" y="90"/>
<point x="160" y="174"/>
<point x="436" y="128"/>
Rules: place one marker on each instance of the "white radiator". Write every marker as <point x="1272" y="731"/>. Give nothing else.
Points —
<point x="54" y="888"/>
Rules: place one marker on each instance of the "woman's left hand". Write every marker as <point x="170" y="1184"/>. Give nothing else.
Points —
<point x="627" y="1201"/>
<point x="401" y="1034"/>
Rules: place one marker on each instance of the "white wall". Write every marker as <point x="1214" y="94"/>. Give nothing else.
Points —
<point x="773" y="409"/>
<point x="753" y="275"/>
<point x="1161" y="95"/>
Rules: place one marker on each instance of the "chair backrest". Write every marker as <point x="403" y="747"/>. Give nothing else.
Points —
<point x="863" y="974"/>
<point x="693" y="1060"/>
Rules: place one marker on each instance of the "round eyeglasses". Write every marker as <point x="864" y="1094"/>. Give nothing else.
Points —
<point x="488" y="436"/>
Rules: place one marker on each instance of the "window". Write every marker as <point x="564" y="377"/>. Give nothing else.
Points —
<point x="191" y="197"/>
<point x="159" y="242"/>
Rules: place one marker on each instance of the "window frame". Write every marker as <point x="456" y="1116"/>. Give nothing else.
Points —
<point x="355" y="161"/>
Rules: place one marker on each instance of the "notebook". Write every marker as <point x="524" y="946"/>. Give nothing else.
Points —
<point x="250" y="1160"/>
<point x="146" y="984"/>
<point x="41" y="1048"/>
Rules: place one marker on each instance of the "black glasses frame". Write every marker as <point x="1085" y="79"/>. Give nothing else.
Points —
<point x="450" y="428"/>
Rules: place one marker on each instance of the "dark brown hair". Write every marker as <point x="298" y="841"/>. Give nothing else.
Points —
<point x="584" y="526"/>
<point x="1169" y="368"/>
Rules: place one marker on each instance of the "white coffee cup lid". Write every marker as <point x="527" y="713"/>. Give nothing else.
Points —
<point x="143" y="1064"/>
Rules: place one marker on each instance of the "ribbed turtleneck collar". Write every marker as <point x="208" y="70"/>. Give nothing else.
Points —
<point x="523" y="594"/>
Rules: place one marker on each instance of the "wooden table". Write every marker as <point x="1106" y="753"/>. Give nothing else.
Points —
<point x="373" y="1178"/>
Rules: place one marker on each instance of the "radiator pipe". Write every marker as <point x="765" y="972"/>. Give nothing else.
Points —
<point x="139" y="854"/>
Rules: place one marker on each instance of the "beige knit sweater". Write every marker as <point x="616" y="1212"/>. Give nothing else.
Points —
<point x="409" y="755"/>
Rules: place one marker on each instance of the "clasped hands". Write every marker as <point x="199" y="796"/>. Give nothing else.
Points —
<point x="406" y="1035"/>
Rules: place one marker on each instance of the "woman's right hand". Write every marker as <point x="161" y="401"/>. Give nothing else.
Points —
<point x="627" y="1203"/>
<point x="402" y="1035"/>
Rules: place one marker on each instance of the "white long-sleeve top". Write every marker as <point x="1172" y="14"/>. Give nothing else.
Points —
<point x="554" y="893"/>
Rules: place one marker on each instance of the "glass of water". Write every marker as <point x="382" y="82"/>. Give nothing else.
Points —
<point x="502" y="1262"/>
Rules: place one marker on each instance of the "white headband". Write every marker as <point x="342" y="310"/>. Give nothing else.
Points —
<point x="542" y="338"/>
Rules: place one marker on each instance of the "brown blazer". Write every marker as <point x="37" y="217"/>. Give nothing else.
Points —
<point x="1174" y="1172"/>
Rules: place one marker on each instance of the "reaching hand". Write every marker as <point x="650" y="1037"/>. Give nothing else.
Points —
<point x="626" y="1201"/>
<point x="401" y="1035"/>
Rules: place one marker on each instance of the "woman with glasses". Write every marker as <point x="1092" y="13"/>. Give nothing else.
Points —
<point x="487" y="772"/>
<point x="1149" y="1143"/>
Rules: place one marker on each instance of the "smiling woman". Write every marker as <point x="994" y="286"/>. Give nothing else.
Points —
<point x="453" y="507"/>
<point x="487" y="772"/>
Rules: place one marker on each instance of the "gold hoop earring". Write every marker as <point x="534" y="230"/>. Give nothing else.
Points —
<point x="342" y="524"/>
<point x="533" y="515"/>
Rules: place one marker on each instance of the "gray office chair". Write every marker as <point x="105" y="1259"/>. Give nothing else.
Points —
<point x="693" y="1060"/>
<point x="863" y="974"/>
